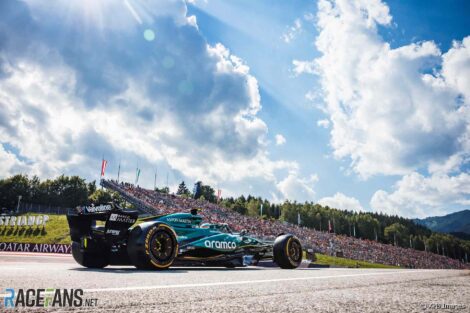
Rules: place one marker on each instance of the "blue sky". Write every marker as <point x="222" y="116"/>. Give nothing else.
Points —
<point x="360" y="105"/>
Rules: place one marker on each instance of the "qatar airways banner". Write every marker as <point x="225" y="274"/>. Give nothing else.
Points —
<point x="35" y="247"/>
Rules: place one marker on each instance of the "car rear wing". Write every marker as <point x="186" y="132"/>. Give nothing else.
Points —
<point x="82" y="221"/>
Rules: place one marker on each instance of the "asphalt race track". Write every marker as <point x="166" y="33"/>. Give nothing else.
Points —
<point x="248" y="289"/>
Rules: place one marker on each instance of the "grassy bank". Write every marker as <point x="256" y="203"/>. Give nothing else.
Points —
<point x="323" y="259"/>
<point x="55" y="231"/>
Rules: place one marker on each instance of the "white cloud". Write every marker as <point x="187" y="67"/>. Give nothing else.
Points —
<point x="292" y="31"/>
<point x="309" y="17"/>
<point x="393" y="110"/>
<point x="418" y="196"/>
<point x="54" y="131"/>
<point x="323" y="123"/>
<point x="174" y="102"/>
<point x="294" y="187"/>
<point x="456" y="67"/>
<point x="9" y="164"/>
<point x="342" y="202"/>
<point x="280" y="140"/>
<point x="303" y="67"/>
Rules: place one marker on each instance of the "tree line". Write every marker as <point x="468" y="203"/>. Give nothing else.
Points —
<point x="63" y="191"/>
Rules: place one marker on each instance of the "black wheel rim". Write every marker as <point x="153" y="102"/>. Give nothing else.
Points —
<point x="295" y="252"/>
<point x="162" y="246"/>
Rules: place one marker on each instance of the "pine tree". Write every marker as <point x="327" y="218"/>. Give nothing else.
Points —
<point x="182" y="189"/>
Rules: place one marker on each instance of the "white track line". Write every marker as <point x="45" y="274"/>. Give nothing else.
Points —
<point x="35" y="254"/>
<point x="243" y="282"/>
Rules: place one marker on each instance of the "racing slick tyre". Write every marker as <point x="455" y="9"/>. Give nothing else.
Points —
<point x="89" y="258"/>
<point x="287" y="251"/>
<point x="152" y="246"/>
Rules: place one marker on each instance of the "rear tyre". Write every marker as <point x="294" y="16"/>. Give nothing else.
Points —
<point x="152" y="246"/>
<point x="287" y="251"/>
<point x="89" y="258"/>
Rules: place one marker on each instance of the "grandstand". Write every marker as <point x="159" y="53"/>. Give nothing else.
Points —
<point x="141" y="206"/>
<point x="153" y="202"/>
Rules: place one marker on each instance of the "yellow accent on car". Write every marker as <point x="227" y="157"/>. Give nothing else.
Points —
<point x="176" y="247"/>
<point x="287" y="247"/>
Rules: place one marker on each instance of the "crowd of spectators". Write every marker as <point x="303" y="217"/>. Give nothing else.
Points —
<point x="320" y="242"/>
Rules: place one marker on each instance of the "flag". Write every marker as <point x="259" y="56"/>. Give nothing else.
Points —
<point x="219" y="193"/>
<point x="261" y="210"/>
<point x="329" y="226"/>
<point x="298" y="218"/>
<point x="137" y="174"/>
<point x="197" y="190"/>
<point x="103" y="166"/>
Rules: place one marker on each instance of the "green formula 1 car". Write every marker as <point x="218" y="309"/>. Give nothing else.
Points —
<point x="174" y="239"/>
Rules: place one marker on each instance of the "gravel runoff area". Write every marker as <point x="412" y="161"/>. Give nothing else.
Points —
<point x="250" y="289"/>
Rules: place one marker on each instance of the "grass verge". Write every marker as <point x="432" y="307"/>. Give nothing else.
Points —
<point x="323" y="259"/>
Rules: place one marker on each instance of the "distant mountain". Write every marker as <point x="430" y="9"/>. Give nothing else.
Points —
<point x="464" y="236"/>
<point x="457" y="223"/>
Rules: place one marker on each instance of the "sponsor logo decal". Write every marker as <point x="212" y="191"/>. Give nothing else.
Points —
<point x="113" y="232"/>
<point x="179" y="220"/>
<point x="24" y="220"/>
<point x="121" y="218"/>
<point x="95" y="209"/>
<point x="224" y="245"/>
<point x="46" y="298"/>
<point x="35" y="247"/>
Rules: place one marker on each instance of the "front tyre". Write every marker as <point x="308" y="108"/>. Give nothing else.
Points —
<point x="287" y="251"/>
<point x="152" y="246"/>
<point x="92" y="257"/>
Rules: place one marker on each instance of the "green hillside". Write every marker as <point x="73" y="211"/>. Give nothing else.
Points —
<point x="458" y="222"/>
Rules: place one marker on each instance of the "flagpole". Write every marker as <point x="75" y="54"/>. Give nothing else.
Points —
<point x="119" y="171"/>
<point x="155" y="180"/>
<point x="137" y="175"/>
<point x="167" y="182"/>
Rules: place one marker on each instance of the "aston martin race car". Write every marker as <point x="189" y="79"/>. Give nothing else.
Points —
<point x="158" y="242"/>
